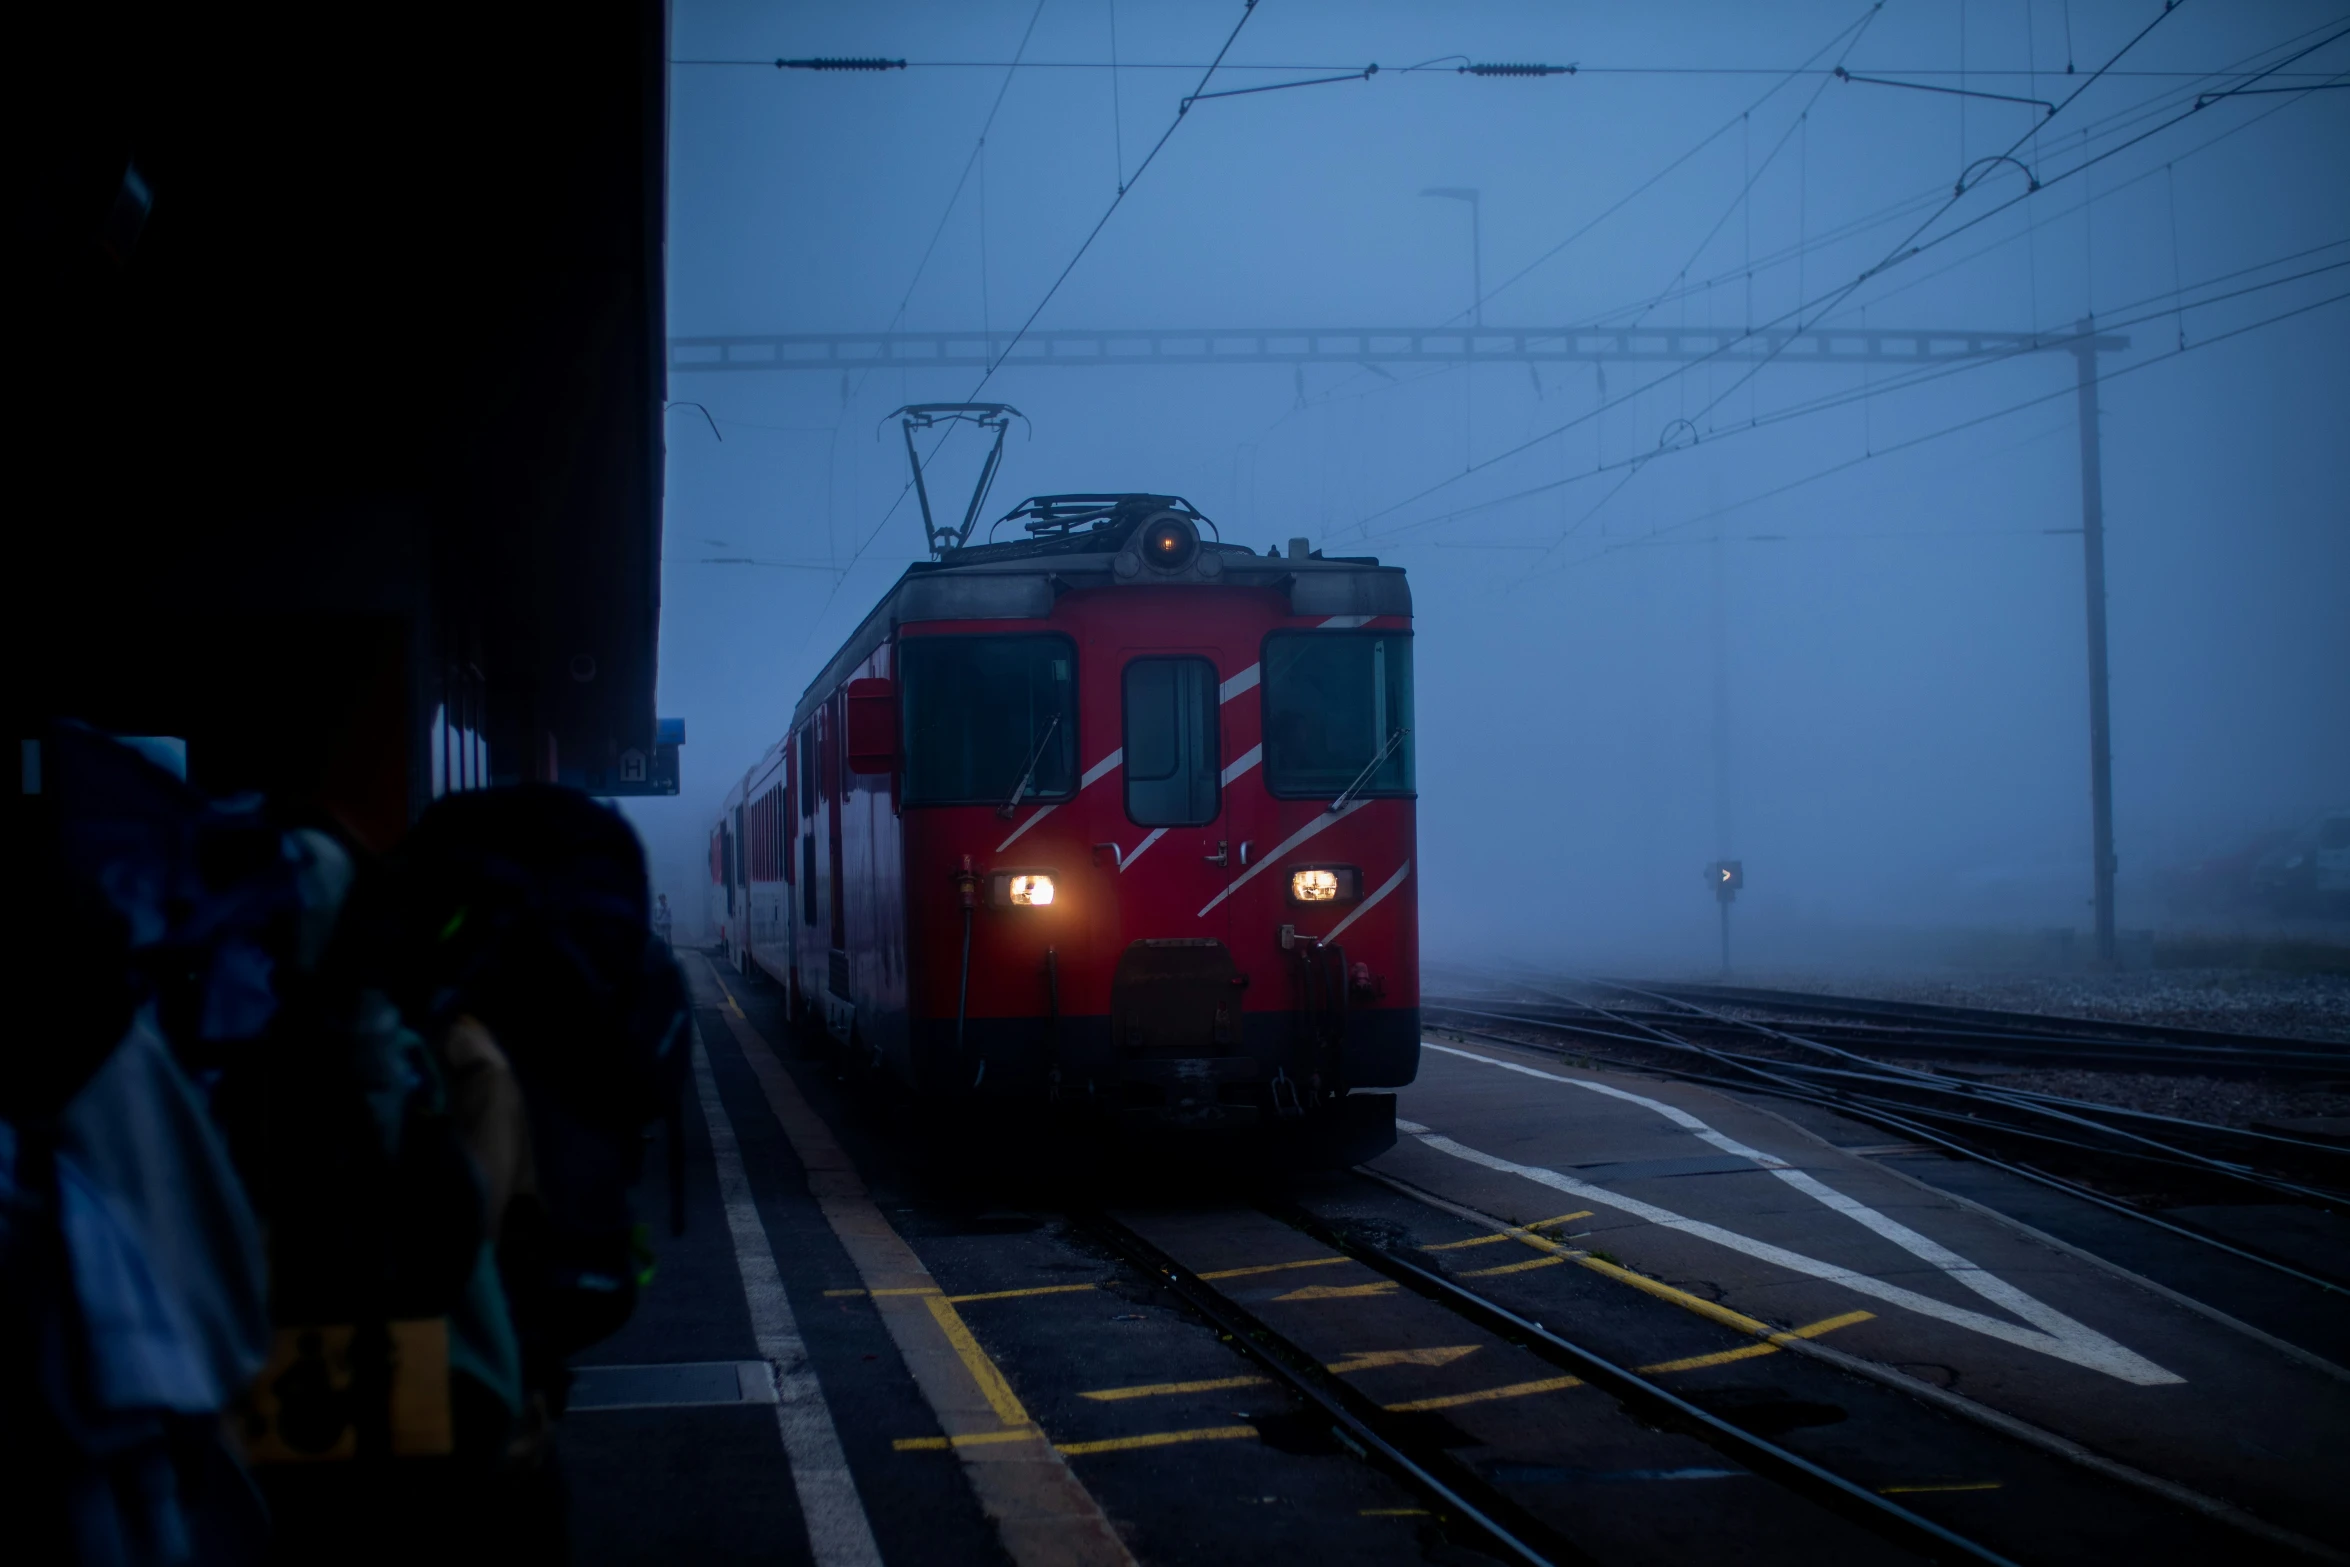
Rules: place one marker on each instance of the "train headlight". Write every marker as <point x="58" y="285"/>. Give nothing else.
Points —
<point x="1031" y="890"/>
<point x="1318" y="884"/>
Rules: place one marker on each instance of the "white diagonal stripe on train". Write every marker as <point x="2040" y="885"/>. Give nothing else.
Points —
<point x="1345" y="622"/>
<point x="2052" y="1332"/>
<point x="1127" y="864"/>
<point x="1248" y="759"/>
<point x="1035" y="816"/>
<point x="1092" y="776"/>
<point x="1371" y="902"/>
<point x="1246" y="680"/>
<point x="1321" y="820"/>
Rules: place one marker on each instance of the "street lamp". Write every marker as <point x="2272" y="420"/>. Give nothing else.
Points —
<point x="1476" y="243"/>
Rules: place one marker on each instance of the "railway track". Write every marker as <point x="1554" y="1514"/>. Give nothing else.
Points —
<point x="1953" y="1034"/>
<point x="2124" y="1160"/>
<point x="1459" y="1495"/>
<point x="2133" y="1046"/>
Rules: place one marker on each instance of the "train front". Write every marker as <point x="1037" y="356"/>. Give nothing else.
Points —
<point x="1159" y="835"/>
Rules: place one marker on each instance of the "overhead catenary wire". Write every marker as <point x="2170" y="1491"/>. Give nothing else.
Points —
<point x="1846" y="398"/>
<point x="1248" y="9"/>
<point x="1486" y="69"/>
<point x="1809" y="313"/>
<point x="1980" y="419"/>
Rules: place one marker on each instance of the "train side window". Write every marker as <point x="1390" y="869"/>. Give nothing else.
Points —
<point x="982" y="714"/>
<point x="806" y="746"/>
<point x="1335" y="704"/>
<point x="1172" y="754"/>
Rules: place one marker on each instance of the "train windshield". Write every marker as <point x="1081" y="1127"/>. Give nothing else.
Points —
<point x="1338" y="713"/>
<point x="984" y="713"/>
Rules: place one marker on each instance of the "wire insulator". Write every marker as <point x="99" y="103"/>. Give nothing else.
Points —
<point x="829" y="63"/>
<point x="1510" y="68"/>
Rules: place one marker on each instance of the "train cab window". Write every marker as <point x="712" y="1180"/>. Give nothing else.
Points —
<point x="1338" y="713"/>
<point x="1172" y="755"/>
<point x="988" y="718"/>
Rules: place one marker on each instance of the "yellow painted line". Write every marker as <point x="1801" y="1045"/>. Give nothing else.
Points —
<point x="1273" y="1267"/>
<point x="1338" y="1291"/>
<point x="1528" y="1266"/>
<point x="1918" y="1490"/>
<point x="1111" y="1395"/>
<point x="939" y="1444"/>
<point x="1486" y="1395"/>
<point x="1506" y="1235"/>
<point x="729" y="995"/>
<point x="1392" y="1512"/>
<point x="1751" y="1351"/>
<point x="991" y="1383"/>
<point x="1474" y="1240"/>
<point x="1042" y="1512"/>
<point x="1128" y="1444"/>
<point x="1041" y="1289"/>
<point x="1373" y="1359"/>
<point x="1720" y="1358"/>
<point x="932" y="1289"/>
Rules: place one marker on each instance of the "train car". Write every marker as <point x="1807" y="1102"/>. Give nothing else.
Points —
<point x="748" y="847"/>
<point x="1117" y="817"/>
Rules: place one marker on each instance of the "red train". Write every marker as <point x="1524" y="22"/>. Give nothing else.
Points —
<point x="1116" y="816"/>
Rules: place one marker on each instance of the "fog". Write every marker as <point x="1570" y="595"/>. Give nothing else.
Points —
<point x="1845" y="646"/>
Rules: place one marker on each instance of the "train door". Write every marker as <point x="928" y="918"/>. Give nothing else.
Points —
<point x="832" y="762"/>
<point x="738" y="891"/>
<point x="805" y="945"/>
<point x="1176" y="991"/>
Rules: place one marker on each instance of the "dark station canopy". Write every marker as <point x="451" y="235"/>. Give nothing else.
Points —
<point x="336" y="437"/>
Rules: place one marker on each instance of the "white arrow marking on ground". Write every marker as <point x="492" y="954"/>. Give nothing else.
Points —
<point x="2052" y="1332"/>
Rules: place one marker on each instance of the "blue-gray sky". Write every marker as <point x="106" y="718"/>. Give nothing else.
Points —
<point x="1902" y="634"/>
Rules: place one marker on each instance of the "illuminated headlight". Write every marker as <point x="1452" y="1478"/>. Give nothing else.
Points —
<point x="1031" y="891"/>
<point x="1313" y="886"/>
<point x="1170" y="543"/>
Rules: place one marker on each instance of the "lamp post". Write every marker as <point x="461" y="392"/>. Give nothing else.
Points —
<point x="1476" y="313"/>
<point x="1476" y="244"/>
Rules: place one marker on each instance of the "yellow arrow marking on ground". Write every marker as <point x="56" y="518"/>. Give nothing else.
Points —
<point x="1372" y="1359"/>
<point x="1337" y="1291"/>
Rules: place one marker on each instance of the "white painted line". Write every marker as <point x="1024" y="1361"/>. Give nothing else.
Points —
<point x="1246" y="680"/>
<point x="1038" y="815"/>
<point x="1248" y="759"/>
<point x="1321" y="820"/>
<point x="2052" y="1332"/>
<point x="839" y="1534"/>
<point x="1156" y="833"/>
<point x="1371" y="902"/>
<point x="1092" y="776"/>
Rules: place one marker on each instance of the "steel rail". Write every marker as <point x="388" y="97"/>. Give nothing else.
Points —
<point x="2069" y="1027"/>
<point x="1891" y="1121"/>
<point x="1766" y="1459"/>
<point x="1372" y="1431"/>
<point x="2052" y="1107"/>
<point x="1927" y="1037"/>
